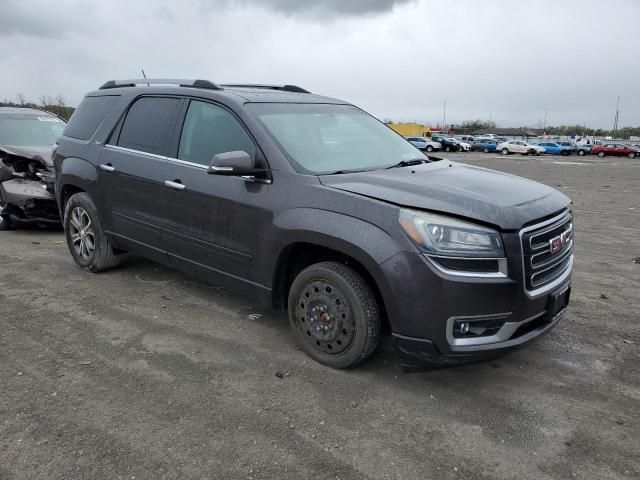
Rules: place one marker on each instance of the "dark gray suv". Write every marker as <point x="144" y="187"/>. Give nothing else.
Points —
<point x="309" y="204"/>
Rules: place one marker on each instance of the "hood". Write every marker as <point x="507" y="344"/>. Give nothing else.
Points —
<point x="487" y="196"/>
<point x="44" y="154"/>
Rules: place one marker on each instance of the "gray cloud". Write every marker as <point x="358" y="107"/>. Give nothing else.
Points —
<point x="328" y="7"/>
<point x="398" y="60"/>
<point x="312" y="9"/>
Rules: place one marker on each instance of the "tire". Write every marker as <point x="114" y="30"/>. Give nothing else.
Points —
<point x="334" y="315"/>
<point x="82" y="228"/>
<point x="429" y="148"/>
<point x="631" y="155"/>
<point x="582" y="153"/>
<point x="601" y="154"/>
<point x="5" y="221"/>
<point x="447" y="148"/>
<point x="565" y="153"/>
<point x="485" y="150"/>
<point x="505" y="151"/>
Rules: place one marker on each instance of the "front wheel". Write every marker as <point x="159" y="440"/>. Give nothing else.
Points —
<point x="601" y="154"/>
<point x="429" y="148"/>
<point x="581" y="153"/>
<point x="5" y="221"/>
<point x="87" y="242"/>
<point x="485" y="150"/>
<point x="505" y="151"/>
<point x="334" y="314"/>
<point x="631" y="155"/>
<point x="447" y="148"/>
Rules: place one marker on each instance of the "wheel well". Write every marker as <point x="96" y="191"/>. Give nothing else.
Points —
<point x="299" y="256"/>
<point x="67" y="192"/>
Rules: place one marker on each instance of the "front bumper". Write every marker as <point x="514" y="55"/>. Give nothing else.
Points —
<point x="423" y="303"/>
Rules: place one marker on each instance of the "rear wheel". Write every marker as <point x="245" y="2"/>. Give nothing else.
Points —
<point x="334" y="315"/>
<point x="429" y="148"/>
<point x="505" y="151"/>
<point x="565" y="153"/>
<point x="485" y="150"/>
<point x="581" y="153"/>
<point x="631" y="155"/>
<point x="87" y="242"/>
<point x="447" y="148"/>
<point x="601" y="154"/>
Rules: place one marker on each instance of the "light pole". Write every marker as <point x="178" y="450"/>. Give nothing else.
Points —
<point x="444" y="114"/>
<point x="615" y="121"/>
<point x="544" y="123"/>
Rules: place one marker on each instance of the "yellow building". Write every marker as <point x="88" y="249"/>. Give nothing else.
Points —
<point x="411" y="129"/>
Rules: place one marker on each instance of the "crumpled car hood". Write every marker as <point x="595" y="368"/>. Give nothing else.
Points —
<point x="488" y="196"/>
<point x="44" y="154"/>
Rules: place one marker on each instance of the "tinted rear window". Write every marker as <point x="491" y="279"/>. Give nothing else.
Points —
<point x="148" y="124"/>
<point x="88" y="116"/>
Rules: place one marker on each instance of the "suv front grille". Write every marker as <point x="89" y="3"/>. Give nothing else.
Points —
<point x="547" y="250"/>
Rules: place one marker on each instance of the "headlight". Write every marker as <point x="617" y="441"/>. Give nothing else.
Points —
<point x="447" y="236"/>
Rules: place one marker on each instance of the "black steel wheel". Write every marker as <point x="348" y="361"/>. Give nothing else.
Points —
<point x="334" y="314"/>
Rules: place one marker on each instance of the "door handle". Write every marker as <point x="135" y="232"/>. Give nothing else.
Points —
<point x="177" y="185"/>
<point x="107" y="167"/>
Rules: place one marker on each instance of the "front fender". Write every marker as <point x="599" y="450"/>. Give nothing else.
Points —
<point x="367" y="243"/>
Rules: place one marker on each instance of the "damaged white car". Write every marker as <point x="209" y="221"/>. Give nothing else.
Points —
<point x="27" y="183"/>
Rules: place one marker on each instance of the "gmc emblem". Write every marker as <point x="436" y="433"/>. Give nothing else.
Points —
<point x="557" y="243"/>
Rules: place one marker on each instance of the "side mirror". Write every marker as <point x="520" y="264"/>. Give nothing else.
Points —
<point x="233" y="164"/>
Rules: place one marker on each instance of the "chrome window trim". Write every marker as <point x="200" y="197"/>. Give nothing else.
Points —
<point x="501" y="273"/>
<point x="567" y="272"/>
<point x="138" y="152"/>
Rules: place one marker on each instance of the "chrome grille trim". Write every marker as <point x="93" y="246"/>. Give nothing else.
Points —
<point x="540" y="278"/>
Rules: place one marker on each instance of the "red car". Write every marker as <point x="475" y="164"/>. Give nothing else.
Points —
<point x="616" y="149"/>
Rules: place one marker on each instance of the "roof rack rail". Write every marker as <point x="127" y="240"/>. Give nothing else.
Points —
<point x="284" y="88"/>
<point x="160" y="81"/>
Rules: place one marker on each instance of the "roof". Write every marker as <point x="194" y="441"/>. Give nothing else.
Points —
<point x="241" y="93"/>
<point x="23" y="111"/>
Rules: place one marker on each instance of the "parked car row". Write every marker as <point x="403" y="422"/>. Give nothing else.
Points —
<point x="493" y="144"/>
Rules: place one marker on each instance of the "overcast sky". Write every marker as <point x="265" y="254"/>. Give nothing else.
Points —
<point x="401" y="59"/>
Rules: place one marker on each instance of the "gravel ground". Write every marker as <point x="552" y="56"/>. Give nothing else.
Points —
<point x="143" y="372"/>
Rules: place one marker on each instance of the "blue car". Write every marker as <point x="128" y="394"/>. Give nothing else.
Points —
<point x="555" y="148"/>
<point x="485" y="145"/>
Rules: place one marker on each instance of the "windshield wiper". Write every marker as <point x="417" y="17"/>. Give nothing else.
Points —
<point x="409" y="163"/>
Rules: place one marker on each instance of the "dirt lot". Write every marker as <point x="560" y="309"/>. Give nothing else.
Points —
<point x="144" y="373"/>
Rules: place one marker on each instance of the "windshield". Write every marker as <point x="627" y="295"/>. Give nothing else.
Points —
<point x="321" y="139"/>
<point x="29" y="130"/>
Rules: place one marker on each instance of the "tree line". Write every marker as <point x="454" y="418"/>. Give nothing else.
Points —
<point x="55" y="105"/>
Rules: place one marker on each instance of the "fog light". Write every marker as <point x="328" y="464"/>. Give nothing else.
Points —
<point x="461" y="327"/>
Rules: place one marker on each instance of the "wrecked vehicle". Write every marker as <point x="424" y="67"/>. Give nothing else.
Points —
<point x="27" y="184"/>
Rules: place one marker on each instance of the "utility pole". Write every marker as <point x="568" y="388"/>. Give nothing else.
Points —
<point x="490" y="115"/>
<point x="544" y="123"/>
<point x="615" y="121"/>
<point x="444" y="114"/>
